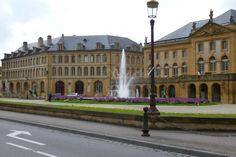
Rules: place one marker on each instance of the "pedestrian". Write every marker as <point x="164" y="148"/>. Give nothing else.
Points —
<point x="49" y="97"/>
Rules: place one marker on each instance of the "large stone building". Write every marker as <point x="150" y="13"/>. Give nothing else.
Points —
<point x="86" y="65"/>
<point x="197" y="60"/>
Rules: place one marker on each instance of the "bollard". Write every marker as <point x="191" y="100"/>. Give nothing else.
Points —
<point x="145" y="123"/>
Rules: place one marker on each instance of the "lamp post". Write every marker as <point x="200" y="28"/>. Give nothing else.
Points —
<point x="152" y="6"/>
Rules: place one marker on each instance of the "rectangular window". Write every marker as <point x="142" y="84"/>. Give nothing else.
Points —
<point x="212" y="46"/>
<point x="174" y="54"/>
<point x="200" y="47"/>
<point x="72" y="59"/>
<point x="86" y="59"/>
<point x="224" y="45"/>
<point x="183" y="53"/>
<point x="166" y="55"/>
<point x="59" y="59"/>
<point x="157" y="55"/>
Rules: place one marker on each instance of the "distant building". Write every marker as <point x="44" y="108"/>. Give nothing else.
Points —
<point x="197" y="60"/>
<point x="87" y="65"/>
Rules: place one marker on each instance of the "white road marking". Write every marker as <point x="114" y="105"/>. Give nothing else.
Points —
<point x="29" y="149"/>
<point x="16" y="132"/>
<point x="45" y="154"/>
<point x="18" y="146"/>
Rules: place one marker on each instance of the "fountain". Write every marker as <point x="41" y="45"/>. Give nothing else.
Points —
<point x="124" y="82"/>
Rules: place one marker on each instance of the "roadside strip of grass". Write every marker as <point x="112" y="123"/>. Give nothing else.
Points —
<point x="127" y="111"/>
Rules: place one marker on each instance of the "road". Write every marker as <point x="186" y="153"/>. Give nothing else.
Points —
<point x="23" y="140"/>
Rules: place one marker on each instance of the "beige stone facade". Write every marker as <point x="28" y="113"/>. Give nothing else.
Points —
<point x="196" y="61"/>
<point x="86" y="68"/>
<point x="199" y="64"/>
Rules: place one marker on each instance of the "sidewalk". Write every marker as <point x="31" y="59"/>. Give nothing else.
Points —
<point x="222" y="143"/>
<point x="216" y="109"/>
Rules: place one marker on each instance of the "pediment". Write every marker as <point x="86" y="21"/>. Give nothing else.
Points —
<point x="210" y="29"/>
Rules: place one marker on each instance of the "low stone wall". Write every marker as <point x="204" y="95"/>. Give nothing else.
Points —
<point x="161" y="122"/>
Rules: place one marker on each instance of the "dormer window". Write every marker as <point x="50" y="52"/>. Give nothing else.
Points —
<point x="60" y="47"/>
<point x="99" y="45"/>
<point x="80" y="46"/>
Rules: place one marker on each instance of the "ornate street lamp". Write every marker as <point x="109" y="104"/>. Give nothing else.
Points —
<point x="152" y="6"/>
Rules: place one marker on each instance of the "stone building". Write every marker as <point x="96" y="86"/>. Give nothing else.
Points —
<point x="197" y="60"/>
<point x="87" y="65"/>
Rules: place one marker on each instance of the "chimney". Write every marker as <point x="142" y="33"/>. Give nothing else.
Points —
<point x="25" y="46"/>
<point x="49" y="40"/>
<point x="40" y="42"/>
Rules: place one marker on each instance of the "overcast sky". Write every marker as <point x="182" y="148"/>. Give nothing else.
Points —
<point x="27" y="20"/>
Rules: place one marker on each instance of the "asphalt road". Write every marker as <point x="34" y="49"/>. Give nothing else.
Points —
<point x="22" y="140"/>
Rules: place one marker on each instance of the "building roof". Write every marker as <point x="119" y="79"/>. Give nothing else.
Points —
<point x="70" y="43"/>
<point x="89" y="42"/>
<point x="185" y="31"/>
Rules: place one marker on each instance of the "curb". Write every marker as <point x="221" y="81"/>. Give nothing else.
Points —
<point x="164" y="147"/>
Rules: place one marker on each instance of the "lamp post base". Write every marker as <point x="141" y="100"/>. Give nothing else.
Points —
<point x="145" y="133"/>
<point x="153" y="110"/>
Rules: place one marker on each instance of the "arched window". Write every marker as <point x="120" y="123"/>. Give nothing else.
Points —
<point x="104" y="58"/>
<point x="98" y="71"/>
<point x="85" y="71"/>
<point x="128" y="59"/>
<point x="54" y="71"/>
<point x="42" y="87"/>
<point x="132" y="60"/>
<point x="72" y="71"/>
<point x="86" y="59"/>
<point x="66" y="72"/>
<point x="66" y="59"/>
<point x="59" y="71"/>
<point x="117" y="59"/>
<point x="224" y="64"/>
<point x="72" y="59"/>
<point x="200" y="65"/>
<point x="98" y="59"/>
<point x="92" y="71"/>
<point x="166" y="70"/>
<point x="212" y="66"/>
<point x="98" y="87"/>
<point x="175" y="70"/>
<point x="158" y="70"/>
<point x="79" y="59"/>
<point x="53" y="59"/>
<point x="184" y="68"/>
<point x="59" y="59"/>
<point x="92" y="58"/>
<point x="79" y="71"/>
<point x="104" y="71"/>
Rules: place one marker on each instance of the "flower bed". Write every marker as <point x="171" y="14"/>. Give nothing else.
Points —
<point x="134" y="100"/>
<point x="146" y="100"/>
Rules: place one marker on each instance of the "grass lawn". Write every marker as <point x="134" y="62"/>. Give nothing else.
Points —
<point x="128" y="111"/>
<point x="82" y="101"/>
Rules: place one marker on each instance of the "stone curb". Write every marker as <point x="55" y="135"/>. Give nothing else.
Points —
<point x="164" y="147"/>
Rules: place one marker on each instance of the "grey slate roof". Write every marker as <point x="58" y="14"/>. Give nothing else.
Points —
<point x="185" y="31"/>
<point x="70" y="44"/>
